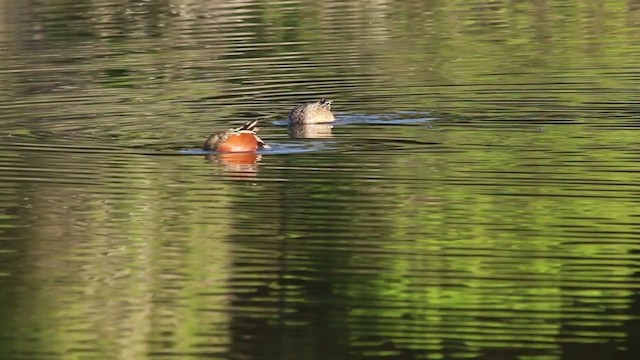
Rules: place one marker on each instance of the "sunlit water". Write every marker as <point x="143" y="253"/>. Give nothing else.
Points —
<point x="478" y="197"/>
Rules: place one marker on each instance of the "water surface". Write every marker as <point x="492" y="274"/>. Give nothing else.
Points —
<point x="478" y="197"/>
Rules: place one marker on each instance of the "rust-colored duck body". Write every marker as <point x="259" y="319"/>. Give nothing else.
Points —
<point x="312" y="113"/>
<point x="241" y="139"/>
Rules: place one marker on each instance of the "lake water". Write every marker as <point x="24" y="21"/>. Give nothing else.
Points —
<point x="478" y="198"/>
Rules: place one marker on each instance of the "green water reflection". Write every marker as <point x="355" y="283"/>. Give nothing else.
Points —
<point x="505" y="228"/>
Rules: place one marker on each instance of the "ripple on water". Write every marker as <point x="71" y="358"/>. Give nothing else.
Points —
<point x="276" y="148"/>
<point x="400" y="118"/>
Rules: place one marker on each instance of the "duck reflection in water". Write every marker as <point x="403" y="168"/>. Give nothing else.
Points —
<point x="310" y="131"/>
<point x="311" y="120"/>
<point x="241" y="164"/>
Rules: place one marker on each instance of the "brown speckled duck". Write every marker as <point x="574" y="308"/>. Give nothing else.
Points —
<point x="242" y="139"/>
<point x="312" y="113"/>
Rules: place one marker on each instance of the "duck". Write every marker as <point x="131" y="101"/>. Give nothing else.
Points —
<point x="241" y="139"/>
<point x="312" y="113"/>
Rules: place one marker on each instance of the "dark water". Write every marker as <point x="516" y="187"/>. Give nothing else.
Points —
<point x="479" y="197"/>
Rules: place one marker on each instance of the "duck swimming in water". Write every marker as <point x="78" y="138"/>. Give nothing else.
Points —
<point x="241" y="139"/>
<point x="312" y="113"/>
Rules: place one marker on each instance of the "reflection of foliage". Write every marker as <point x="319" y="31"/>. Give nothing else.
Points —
<point x="480" y="231"/>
